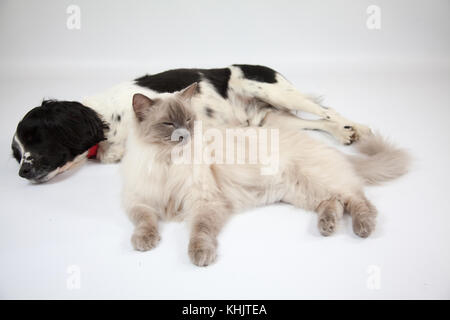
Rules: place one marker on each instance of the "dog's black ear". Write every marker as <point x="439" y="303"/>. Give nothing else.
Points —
<point x="74" y="125"/>
<point x="141" y="104"/>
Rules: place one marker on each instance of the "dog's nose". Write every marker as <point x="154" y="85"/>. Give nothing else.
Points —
<point x="27" y="171"/>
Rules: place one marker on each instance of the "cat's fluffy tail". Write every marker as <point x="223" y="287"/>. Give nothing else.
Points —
<point x="380" y="160"/>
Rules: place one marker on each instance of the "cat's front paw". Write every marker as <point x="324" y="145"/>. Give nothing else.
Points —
<point x="363" y="225"/>
<point x="145" y="239"/>
<point x="202" y="251"/>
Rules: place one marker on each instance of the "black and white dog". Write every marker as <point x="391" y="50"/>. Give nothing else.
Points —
<point x="59" y="135"/>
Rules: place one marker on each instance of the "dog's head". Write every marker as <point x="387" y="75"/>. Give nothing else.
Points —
<point x="52" y="136"/>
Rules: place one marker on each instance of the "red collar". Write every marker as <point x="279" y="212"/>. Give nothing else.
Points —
<point x="92" y="152"/>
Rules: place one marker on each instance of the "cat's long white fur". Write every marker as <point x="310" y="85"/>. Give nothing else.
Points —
<point x="311" y="175"/>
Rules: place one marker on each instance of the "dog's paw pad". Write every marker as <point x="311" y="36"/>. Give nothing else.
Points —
<point x="347" y="135"/>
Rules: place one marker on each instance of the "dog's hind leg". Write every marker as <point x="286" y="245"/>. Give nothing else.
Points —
<point x="271" y="87"/>
<point x="345" y="135"/>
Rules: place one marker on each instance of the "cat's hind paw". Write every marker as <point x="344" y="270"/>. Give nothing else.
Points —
<point x="327" y="224"/>
<point x="363" y="226"/>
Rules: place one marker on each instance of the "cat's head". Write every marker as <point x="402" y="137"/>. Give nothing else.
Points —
<point x="165" y="120"/>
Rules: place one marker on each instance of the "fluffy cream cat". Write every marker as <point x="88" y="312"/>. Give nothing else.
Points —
<point x="309" y="175"/>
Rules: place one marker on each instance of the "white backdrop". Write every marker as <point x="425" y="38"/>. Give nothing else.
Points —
<point x="395" y="79"/>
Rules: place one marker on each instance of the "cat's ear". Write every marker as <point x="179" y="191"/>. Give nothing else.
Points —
<point x="189" y="92"/>
<point x="141" y="104"/>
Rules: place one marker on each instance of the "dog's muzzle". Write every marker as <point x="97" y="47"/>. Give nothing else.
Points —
<point x="27" y="171"/>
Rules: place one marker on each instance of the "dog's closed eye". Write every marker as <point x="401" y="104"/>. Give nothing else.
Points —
<point x="169" y="124"/>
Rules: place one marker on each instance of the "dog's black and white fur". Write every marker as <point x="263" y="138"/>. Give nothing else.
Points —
<point x="55" y="136"/>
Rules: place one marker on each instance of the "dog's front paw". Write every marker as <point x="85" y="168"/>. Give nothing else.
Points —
<point x="110" y="152"/>
<point x="109" y="156"/>
<point x="202" y="251"/>
<point x="144" y="239"/>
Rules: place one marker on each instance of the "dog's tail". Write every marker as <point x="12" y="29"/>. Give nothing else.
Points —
<point x="379" y="161"/>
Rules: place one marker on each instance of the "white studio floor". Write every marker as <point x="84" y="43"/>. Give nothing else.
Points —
<point x="74" y="226"/>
